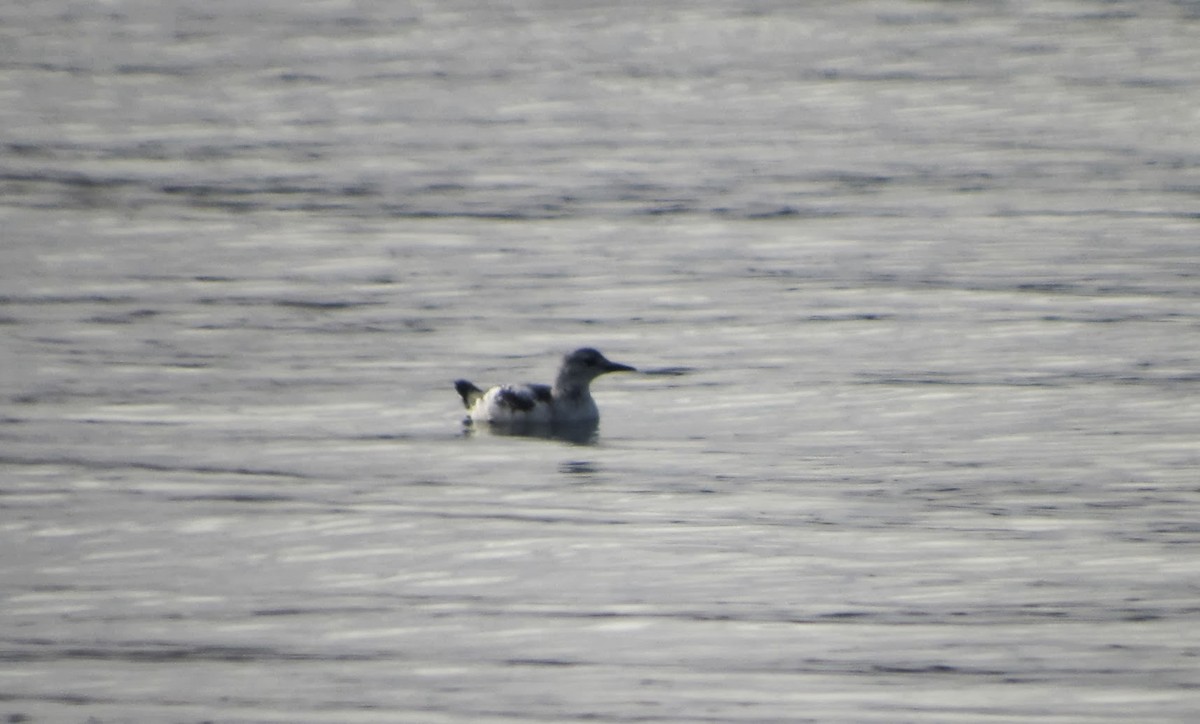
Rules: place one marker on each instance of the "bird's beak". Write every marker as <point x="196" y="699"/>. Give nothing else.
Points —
<point x="617" y="367"/>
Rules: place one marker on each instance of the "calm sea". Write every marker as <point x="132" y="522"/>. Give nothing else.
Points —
<point x="914" y="289"/>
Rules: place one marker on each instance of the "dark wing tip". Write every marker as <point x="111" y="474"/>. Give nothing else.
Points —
<point x="469" y="392"/>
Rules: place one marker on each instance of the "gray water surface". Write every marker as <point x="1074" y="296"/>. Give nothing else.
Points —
<point x="914" y="289"/>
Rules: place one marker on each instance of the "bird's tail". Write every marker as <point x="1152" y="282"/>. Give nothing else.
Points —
<point x="470" y="393"/>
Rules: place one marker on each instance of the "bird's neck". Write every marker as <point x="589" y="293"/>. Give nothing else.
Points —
<point x="572" y="402"/>
<point x="571" y="389"/>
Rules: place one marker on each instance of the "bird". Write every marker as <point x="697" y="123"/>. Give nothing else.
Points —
<point x="567" y="402"/>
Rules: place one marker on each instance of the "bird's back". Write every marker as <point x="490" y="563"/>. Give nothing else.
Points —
<point x="528" y="403"/>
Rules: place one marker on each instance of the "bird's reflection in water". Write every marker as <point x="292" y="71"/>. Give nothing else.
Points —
<point x="578" y="433"/>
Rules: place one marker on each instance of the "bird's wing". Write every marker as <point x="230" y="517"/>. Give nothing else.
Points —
<point x="523" y="398"/>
